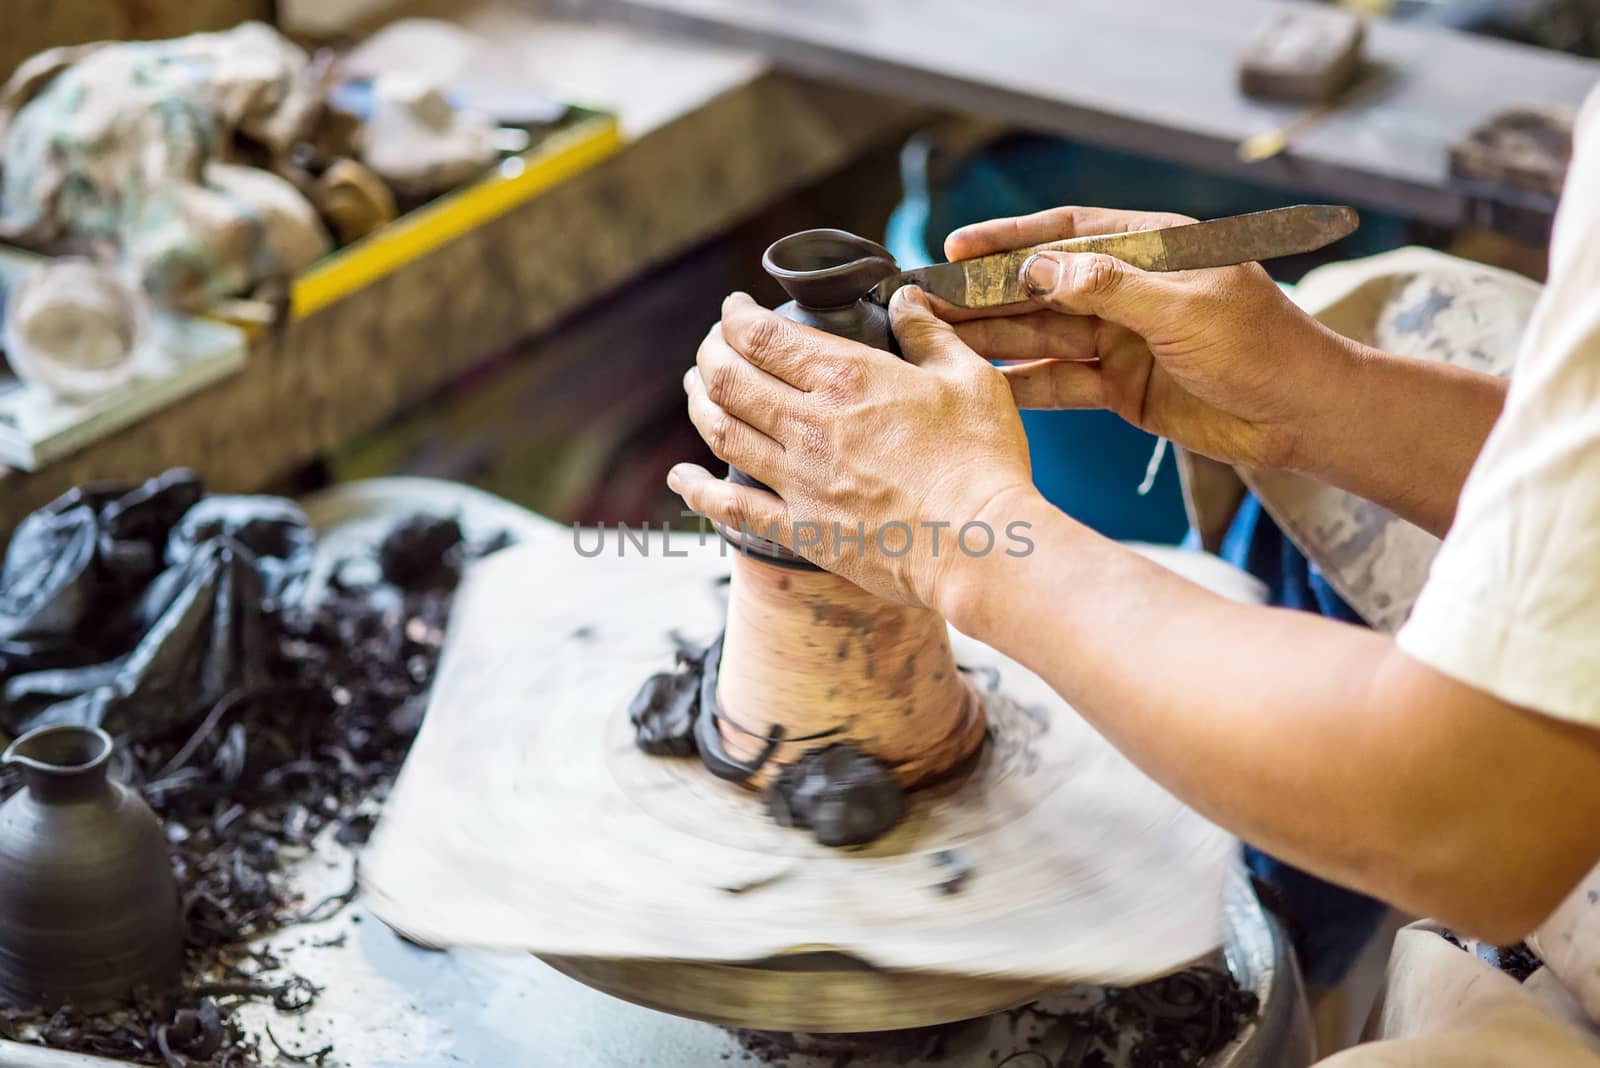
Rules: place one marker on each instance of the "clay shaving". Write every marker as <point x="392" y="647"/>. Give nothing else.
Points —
<point x="1176" y="1022"/>
<point x="843" y="796"/>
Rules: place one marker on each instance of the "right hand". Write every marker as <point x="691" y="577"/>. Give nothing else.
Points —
<point x="1219" y="361"/>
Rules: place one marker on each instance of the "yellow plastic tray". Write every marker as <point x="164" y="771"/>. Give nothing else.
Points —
<point x="559" y="156"/>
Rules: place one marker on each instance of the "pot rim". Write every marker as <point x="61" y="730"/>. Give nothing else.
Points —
<point x="827" y="269"/>
<point x="14" y="754"/>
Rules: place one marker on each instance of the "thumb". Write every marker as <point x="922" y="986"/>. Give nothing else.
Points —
<point x="1087" y="283"/>
<point x="925" y="339"/>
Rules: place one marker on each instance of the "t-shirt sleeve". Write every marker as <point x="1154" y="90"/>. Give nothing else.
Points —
<point x="1512" y="602"/>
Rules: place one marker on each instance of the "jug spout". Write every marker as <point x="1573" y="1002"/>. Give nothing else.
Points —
<point x="823" y="270"/>
<point x="61" y="763"/>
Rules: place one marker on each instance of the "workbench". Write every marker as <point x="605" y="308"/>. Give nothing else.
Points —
<point x="1157" y="78"/>
<point x="711" y="137"/>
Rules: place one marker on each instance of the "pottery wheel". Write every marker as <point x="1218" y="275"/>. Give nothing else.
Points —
<point x="525" y="818"/>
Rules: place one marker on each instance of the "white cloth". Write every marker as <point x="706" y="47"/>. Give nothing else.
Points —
<point x="1444" y="1008"/>
<point x="1512" y="607"/>
<point x="1512" y="602"/>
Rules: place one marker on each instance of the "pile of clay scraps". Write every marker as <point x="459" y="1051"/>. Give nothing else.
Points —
<point x="253" y="711"/>
<point x="1179" y="1021"/>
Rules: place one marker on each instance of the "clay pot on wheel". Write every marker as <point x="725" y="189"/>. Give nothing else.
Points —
<point x="88" y="902"/>
<point x="808" y="657"/>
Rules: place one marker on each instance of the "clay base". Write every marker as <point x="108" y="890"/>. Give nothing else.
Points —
<point x="827" y="662"/>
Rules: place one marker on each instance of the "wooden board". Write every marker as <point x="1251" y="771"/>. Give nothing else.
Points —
<point x="1158" y="77"/>
<point x="526" y="819"/>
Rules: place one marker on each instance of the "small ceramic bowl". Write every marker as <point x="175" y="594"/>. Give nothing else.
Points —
<point x="75" y="328"/>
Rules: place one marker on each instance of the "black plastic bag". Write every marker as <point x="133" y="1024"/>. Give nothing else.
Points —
<point x="138" y="609"/>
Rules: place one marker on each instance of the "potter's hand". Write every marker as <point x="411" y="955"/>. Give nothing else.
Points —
<point x="853" y="440"/>
<point x="1220" y="361"/>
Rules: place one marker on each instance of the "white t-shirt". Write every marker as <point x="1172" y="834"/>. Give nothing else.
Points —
<point x="1512" y="601"/>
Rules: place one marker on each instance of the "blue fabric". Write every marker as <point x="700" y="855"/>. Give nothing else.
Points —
<point x="1330" y="924"/>
<point x="1090" y="465"/>
<point x="1255" y="544"/>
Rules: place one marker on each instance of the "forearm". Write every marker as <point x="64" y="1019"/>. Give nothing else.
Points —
<point x="1221" y="703"/>
<point x="1298" y="733"/>
<point x="1396" y="430"/>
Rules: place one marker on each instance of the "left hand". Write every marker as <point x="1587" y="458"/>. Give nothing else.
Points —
<point x="852" y="439"/>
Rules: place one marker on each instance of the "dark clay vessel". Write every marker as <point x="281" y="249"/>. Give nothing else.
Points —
<point x="88" y="901"/>
<point x="827" y="274"/>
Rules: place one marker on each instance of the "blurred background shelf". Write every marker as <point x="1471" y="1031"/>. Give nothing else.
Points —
<point x="711" y="138"/>
<point x="535" y="349"/>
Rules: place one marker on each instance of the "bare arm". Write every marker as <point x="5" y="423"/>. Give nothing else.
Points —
<point x="1319" y="742"/>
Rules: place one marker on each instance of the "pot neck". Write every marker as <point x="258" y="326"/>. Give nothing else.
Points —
<point x="66" y="763"/>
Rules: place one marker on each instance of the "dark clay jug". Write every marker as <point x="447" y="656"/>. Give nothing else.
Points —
<point x="827" y="274"/>
<point x="88" y="901"/>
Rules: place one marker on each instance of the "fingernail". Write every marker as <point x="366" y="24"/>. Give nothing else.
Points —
<point x="912" y="295"/>
<point x="1040" y="275"/>
<point x="675" y="478"/>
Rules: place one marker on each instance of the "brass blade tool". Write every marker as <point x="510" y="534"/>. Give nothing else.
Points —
<point x="991" y="281"/>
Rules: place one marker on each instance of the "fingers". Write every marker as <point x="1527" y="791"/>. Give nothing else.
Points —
<point x="730" y="438"/>
<point x="1050" y="384"/>
<point x="925" y="339"/>
<point x="1092" y="284"/>
<point x="955" y="313"/>
<point x="1038" y="335"/>
<point x="788" y="351"/>
<point x="742" y="389"/>
<point x="741" y="508"/>
<point x="1056" y="224"/>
